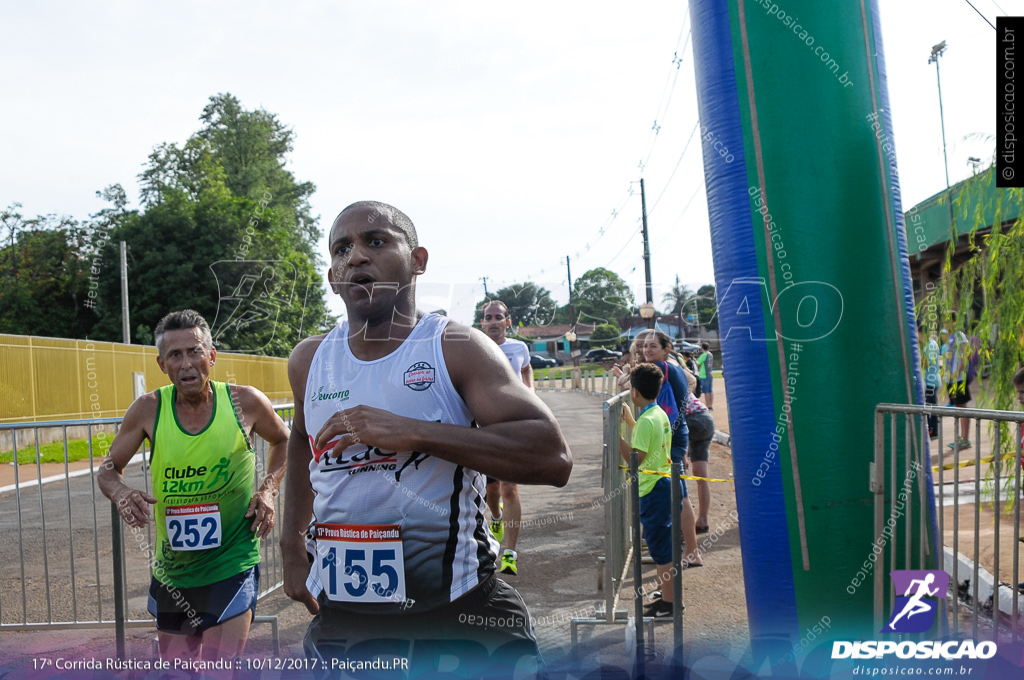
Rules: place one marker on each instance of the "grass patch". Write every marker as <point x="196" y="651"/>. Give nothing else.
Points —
<point x="78" y="449"/>
<point x="556" y="372"/>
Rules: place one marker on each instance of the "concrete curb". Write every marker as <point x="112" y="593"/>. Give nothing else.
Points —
<point x="986" y="582"/>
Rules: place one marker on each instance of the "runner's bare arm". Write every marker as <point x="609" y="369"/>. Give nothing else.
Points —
<point x="298" y="499"/>
<point x="528" y="376"/>
<point x="256" y="409"/>
<point x="137" y="425"/>
<point x="518" y="439"/>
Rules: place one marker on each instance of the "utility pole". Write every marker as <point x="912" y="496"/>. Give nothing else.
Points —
<point x="647" y="252"/>
<point x="682" y="309"/>
<point x="571" y="335"/>
<point x="484" y="279"/>
<point x="125" y="325"/>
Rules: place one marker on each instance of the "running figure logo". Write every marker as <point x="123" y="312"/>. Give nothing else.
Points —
<point x="914" y="610"/>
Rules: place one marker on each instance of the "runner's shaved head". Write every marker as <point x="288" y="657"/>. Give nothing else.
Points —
<point x="398" y="219"/>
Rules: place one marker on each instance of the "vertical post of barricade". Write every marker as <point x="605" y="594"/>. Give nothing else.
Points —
<point x="877" y="474"/>
<point x="614" y="541"/>
<point x="638" y="575"/>
<point x="1018" y="461"/>
<point x="677" y="563"/>
<point x="117" y="539"/>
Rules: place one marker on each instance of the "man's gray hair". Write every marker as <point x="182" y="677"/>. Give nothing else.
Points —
<point x="184" y="320"/>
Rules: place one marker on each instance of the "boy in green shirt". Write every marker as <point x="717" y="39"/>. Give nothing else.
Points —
<point x="652" y="438"/>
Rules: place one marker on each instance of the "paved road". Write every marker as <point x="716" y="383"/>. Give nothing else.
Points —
<point x="558" y="564"/>
<point x="41" y="528"/>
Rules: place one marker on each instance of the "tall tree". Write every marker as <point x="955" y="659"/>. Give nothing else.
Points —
<point x="676" y="297"/>
<point x="528" y="304"/>
<point x="43" y="276"/>
<point x="601" y="297"/>
<point x="707" y="307"/>
<point x="223" y="230"/>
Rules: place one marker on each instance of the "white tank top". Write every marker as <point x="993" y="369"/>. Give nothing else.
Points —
<point x="438" y="505"/>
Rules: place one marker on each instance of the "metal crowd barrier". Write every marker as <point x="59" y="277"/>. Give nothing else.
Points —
<point x="69" y="562"/>
<point x="621" y="501"/>
<point x="590" y="383"/>
<point x="996" y="486"/>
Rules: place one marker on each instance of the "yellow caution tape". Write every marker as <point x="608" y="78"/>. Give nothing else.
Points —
<point x="669" y="474"/>
<point x="968" y="463"/>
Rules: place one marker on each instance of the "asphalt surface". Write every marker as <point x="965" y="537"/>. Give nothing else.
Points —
<point x="560" y="543"/>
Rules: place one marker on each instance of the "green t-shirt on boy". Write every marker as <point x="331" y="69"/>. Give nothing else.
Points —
<point x="653" y="435"/>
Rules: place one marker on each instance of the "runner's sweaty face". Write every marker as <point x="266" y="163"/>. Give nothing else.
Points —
<point x="372" y="263"/>
<point x="186" y="360"/>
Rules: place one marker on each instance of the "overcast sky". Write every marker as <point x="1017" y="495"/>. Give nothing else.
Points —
<point x="509" y="133"/>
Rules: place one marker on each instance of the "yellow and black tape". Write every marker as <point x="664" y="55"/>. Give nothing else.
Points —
<point x="669" y="474"/>
<point x="969" y="463"/>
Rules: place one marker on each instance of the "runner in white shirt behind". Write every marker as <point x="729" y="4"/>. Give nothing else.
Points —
<point x="502" y="496"/>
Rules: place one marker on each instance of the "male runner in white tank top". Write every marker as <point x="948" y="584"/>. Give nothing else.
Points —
<point x="503" y="497"/>
<point x="385" y="457"/>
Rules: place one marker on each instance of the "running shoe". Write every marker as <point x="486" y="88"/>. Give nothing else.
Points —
<point x="508" y="562"/>
<point x="498" y="529"/>
<point x="659" y="609"/>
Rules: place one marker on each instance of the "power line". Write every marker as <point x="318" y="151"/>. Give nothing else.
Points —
<point x="669" y="181"/>
<point x="685" y="32"/>
<point x="677" y="61"/>
<point x="997" y="6"/>
<point x="982" y="15"/>
<point x="629" y="241"/>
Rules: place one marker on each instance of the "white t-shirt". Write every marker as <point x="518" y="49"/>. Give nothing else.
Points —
<point x="518" y="354"/>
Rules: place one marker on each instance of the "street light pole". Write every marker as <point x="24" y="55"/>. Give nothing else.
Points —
<point x="937" y="51"/>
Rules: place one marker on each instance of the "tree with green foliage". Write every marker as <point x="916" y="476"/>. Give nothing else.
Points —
<point x="43" y="276"/>
<point x="528" y="304"/>
<point x="984" y="295"/>
<point x="224" y="230"/>
<point x="707" y="307"/>
<point x="605" y="335"/>
<point x="676" y="297"/>
<point x="601" y="297"/>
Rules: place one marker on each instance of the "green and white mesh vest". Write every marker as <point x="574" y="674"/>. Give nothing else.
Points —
<point x="203" y="484"/>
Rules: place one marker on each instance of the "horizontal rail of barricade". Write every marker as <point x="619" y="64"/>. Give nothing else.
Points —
<point x="988" y="499"/>
<point x="59" y="529"/>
